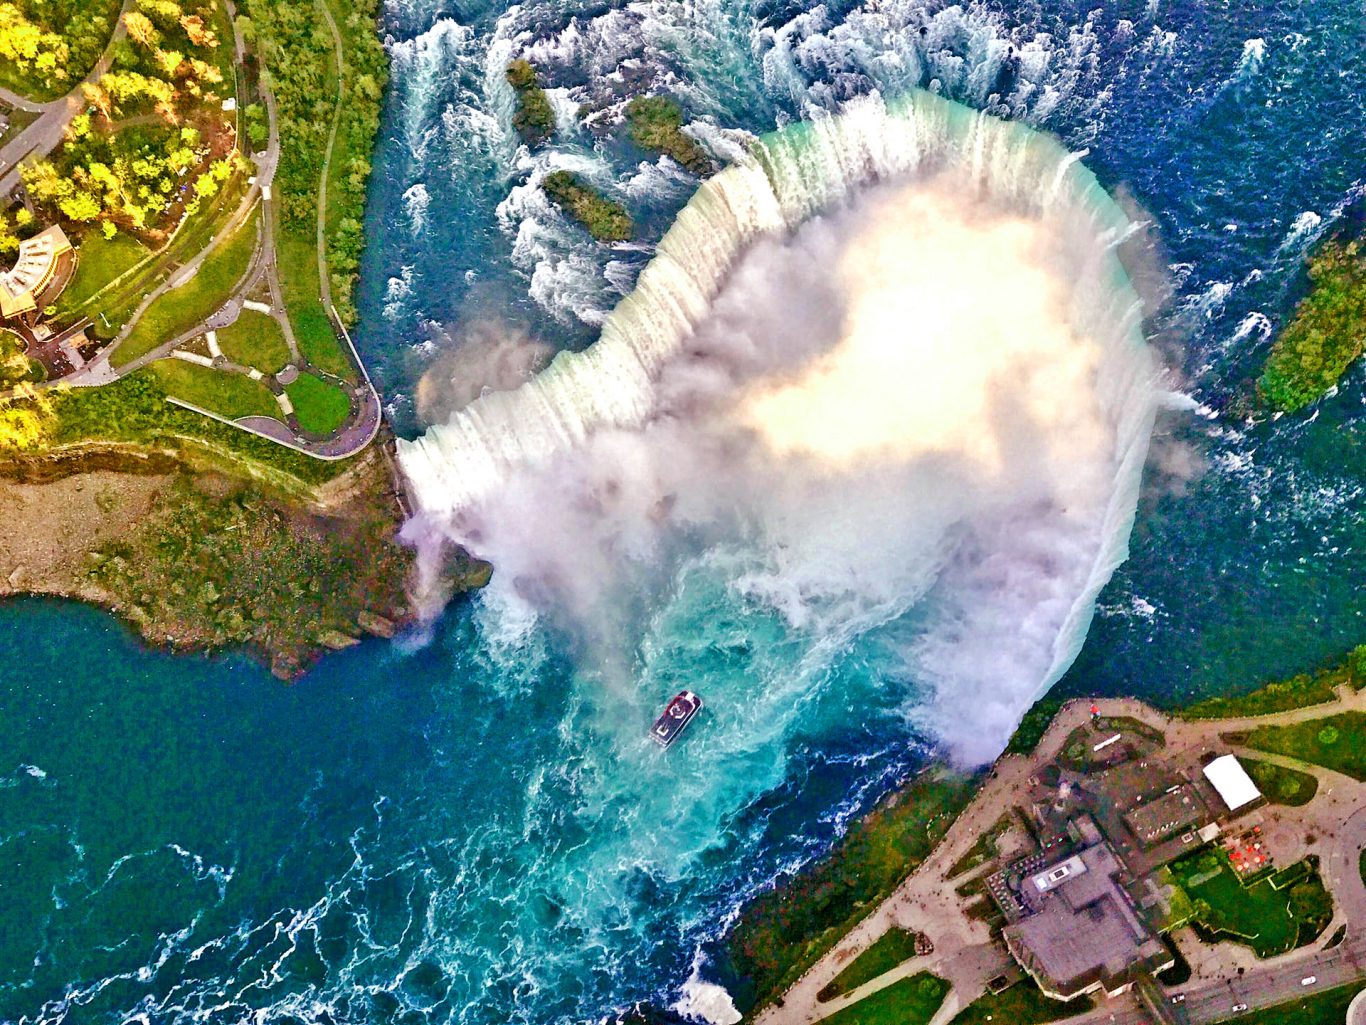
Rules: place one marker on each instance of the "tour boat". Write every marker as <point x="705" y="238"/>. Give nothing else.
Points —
<point x="677" y="715"/>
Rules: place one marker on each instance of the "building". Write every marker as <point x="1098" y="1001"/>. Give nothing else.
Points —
<point x="1081" y="931"/>
<point x="1171" y="812"/>
<point x="43" y="264"/>
<point x="1232" y="783"/>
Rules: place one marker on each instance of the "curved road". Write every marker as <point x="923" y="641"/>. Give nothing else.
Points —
<point x="45" y="134"/>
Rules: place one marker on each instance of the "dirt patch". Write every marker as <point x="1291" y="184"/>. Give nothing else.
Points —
<point x="49" y="531"/>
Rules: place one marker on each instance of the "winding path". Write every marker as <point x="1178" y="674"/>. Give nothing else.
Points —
<point x="367" y="412"/>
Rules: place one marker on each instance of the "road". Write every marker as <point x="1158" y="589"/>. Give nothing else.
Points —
<point x="1332" y="826"/>
<point x="45" y="134"/>
<point x="1274" y="984"/>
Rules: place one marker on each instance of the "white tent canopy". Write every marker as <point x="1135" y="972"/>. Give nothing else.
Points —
<point x="1227" y="775"/>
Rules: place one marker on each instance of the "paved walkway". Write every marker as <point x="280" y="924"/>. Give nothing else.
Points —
<point x="1332" y="826"/>
<point x="367" y="411"/>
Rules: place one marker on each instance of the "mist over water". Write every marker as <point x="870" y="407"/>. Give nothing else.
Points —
<point x="885" y="377"/>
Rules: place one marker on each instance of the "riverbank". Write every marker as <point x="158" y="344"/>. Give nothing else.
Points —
<point x="826" y="926"/>
<point x="195" y="559"/>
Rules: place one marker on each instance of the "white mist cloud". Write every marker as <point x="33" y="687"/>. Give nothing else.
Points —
<point x="894" y="418"/>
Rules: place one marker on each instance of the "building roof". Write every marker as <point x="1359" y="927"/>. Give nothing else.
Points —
<point x="1231" y="781"/>
<point x="33" y="269"/>
<point x="1157" y="818"/>
<point x="1084" y="929"/>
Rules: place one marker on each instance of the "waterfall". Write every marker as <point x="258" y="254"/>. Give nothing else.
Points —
<point x="788" y="177"/>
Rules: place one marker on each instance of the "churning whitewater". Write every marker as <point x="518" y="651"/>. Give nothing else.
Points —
<point x="884" y="379"/>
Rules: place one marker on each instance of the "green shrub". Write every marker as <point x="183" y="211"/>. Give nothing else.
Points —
<point x="657" y="123"/>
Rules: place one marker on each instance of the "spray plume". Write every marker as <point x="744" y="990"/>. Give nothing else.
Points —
<point x="886" y="379"/>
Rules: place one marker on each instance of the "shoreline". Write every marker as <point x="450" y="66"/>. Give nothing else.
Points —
<point x="157" y="543"/>
<point x="788" y="996"/>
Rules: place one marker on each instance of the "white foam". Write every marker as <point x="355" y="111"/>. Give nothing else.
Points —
<point x="486" y="451"/>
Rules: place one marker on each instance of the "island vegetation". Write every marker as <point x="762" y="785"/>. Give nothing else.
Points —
<point x="1327" y="332"/>
<point x="534" y="118"/>
<point x="606" y="220"/>
<point x="656" y="123"/>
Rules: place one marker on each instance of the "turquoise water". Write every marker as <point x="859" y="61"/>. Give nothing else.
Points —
<point x="456" y="833"/>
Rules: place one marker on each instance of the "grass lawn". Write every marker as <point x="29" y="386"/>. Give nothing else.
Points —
<point x="1336" y="742"/>
<point x="298" y="263"/>
<point x="783" y="931"/>
<point x="1282" y="695"/>
<point x="320" y="407"/>
<point x="255" y="340"/>
<point x="182" y="308"/>
<point x="888" y="951"/>
<point x="1268" y="920"/>
<point x="1281" y="785"/>
<point x="1326" y="1008"/>
<point x="117" y="303"/>
<point x="911" y="1001"/>
<point x="134" y="409"/>
<point x="1022" y="1004"/>
<point x="99" y="261"/>
<point x="218" y="391"/>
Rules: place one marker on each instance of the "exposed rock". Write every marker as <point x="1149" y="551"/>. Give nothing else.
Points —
<point x="335" y="640"/>
<point x="376" y="625"/>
